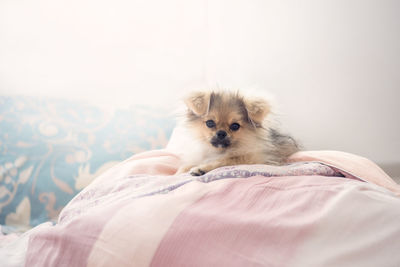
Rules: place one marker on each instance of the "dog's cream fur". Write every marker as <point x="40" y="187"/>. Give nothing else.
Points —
<point x="257" y="141"/>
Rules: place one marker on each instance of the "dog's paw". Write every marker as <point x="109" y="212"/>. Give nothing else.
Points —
<point x="197" y="171"/>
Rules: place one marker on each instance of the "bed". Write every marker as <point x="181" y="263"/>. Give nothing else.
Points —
<point x="324" y="208"/>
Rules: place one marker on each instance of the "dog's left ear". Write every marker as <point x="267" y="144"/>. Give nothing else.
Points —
<point x="198" y="102"/>
<point x="257" y="110"/>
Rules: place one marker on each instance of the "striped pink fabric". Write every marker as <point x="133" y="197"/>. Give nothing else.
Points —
<point x="325" y="209"/>
<point x="68" y="244"/>
<point x="249" y="222"/>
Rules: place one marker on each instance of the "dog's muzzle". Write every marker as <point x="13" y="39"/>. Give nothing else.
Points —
<point x="221" y="139"/>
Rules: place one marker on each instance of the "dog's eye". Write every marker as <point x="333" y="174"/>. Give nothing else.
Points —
<point x="210" y="123"/>
<point x="234" y="126"/>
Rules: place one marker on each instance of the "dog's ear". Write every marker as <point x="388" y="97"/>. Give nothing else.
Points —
<point x="198" y="102"/>
<point x="257" y="110"/>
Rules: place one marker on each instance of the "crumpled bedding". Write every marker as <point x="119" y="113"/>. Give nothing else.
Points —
<point x="325" y="208"/>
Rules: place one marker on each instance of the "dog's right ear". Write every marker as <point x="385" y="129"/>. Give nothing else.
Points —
<point x="198" y="102"/>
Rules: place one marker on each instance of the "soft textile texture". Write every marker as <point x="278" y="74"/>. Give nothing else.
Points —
<point x="139" y="213"/>
<point x="51" y="148"/>
<point x="351" y="165"/>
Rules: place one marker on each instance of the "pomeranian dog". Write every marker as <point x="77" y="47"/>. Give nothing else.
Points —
<point x="232" y="129"/>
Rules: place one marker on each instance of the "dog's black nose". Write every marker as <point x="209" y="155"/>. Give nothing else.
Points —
<point x="221" y="134"/>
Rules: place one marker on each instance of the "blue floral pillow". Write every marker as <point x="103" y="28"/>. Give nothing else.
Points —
<point x="50" y="149"/>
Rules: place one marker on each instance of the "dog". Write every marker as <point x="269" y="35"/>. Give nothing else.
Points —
<point x="232" y="129"/>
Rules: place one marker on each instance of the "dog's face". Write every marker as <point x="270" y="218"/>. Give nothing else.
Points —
<point x="225" y="120"/>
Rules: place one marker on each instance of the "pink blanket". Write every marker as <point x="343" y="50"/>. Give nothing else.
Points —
<point x="324" y="209"/>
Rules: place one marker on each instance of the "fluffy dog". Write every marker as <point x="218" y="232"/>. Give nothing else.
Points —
<point x="232" y="129"/>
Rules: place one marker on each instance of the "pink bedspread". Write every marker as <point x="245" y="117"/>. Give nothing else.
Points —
<point x="324" y="209"/>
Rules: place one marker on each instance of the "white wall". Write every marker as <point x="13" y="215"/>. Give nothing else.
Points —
<point x="333" y="65"/>
<point x="107" y="51"/>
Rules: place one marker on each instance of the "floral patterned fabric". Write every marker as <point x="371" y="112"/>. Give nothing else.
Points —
<point x="50" y="149"/>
